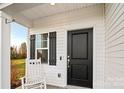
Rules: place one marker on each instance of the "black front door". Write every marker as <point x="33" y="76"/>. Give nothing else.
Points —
<point x="79" y="59"/>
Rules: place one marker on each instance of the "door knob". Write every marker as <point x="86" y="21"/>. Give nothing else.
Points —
<point x="68" y="65"/>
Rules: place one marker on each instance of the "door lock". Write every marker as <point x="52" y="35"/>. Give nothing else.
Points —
<point x="68" y="65"/>
<point x="68" y="61"/>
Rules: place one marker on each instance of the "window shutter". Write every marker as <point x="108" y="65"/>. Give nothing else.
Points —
<point x="32" y="46"/>
<point x="52" y="48"/>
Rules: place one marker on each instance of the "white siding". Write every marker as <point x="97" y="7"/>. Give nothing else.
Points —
<point x="88" y="17"/>
<point x="114" y="45"/>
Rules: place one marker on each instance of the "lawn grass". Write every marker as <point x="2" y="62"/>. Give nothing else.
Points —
<point x="17" y="71"/>
<point x="20" y="65"/>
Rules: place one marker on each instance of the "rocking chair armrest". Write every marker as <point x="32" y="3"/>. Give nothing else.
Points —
<point x="22" y="78"/>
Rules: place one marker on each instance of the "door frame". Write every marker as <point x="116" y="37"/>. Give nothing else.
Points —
<point x="92" y="51"/>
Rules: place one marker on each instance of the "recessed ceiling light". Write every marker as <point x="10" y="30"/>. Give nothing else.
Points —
<point x="52" y="3"/>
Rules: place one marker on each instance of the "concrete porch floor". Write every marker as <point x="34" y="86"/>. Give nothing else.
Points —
<point x="67" y="87"/>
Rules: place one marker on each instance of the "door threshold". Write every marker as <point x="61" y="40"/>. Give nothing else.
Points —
<point x="75" y="87"/>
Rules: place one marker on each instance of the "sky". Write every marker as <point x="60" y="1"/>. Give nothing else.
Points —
<point x="18" y="34"/>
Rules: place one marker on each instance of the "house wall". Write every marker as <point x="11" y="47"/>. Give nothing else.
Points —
<point x="114" y="46"/>
<point x="88" y="17"/>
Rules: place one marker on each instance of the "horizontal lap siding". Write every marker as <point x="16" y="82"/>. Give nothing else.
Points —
<point x="114" y="41"/>
<point x="77" y="19"/>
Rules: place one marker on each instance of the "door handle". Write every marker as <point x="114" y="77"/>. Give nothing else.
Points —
<point x="68" y="62"/>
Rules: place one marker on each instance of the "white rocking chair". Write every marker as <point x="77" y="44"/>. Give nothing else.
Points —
<point x="35" y="77"/>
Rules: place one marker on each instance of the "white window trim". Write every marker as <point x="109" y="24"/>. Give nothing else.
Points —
<point x="42" y="48"/>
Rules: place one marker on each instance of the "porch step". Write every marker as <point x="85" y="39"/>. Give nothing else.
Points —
<point x="56" y="87"/>
<point x="75" y="87"/>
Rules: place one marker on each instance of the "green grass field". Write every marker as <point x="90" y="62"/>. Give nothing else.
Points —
<point x="19" y="64"/>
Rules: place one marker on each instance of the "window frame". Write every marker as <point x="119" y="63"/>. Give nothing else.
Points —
<point x="36" y="49"/>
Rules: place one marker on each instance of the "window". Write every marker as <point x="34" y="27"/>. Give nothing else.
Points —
<point x="42" y="47"/>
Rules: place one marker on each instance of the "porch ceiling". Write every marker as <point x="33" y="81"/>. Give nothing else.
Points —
<point x="26" y="13"/>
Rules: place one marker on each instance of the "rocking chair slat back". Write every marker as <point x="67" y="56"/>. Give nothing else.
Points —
<point x="35" y="74"/>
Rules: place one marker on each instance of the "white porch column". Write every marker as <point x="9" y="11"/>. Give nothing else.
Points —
<point x="28" y="51"/>
<point x="4" y="52"/>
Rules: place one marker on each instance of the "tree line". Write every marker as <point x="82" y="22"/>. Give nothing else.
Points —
<point x="19" y="53"/>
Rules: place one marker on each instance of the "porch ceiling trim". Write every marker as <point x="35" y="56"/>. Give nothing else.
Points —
<point x="3" y="5"/>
